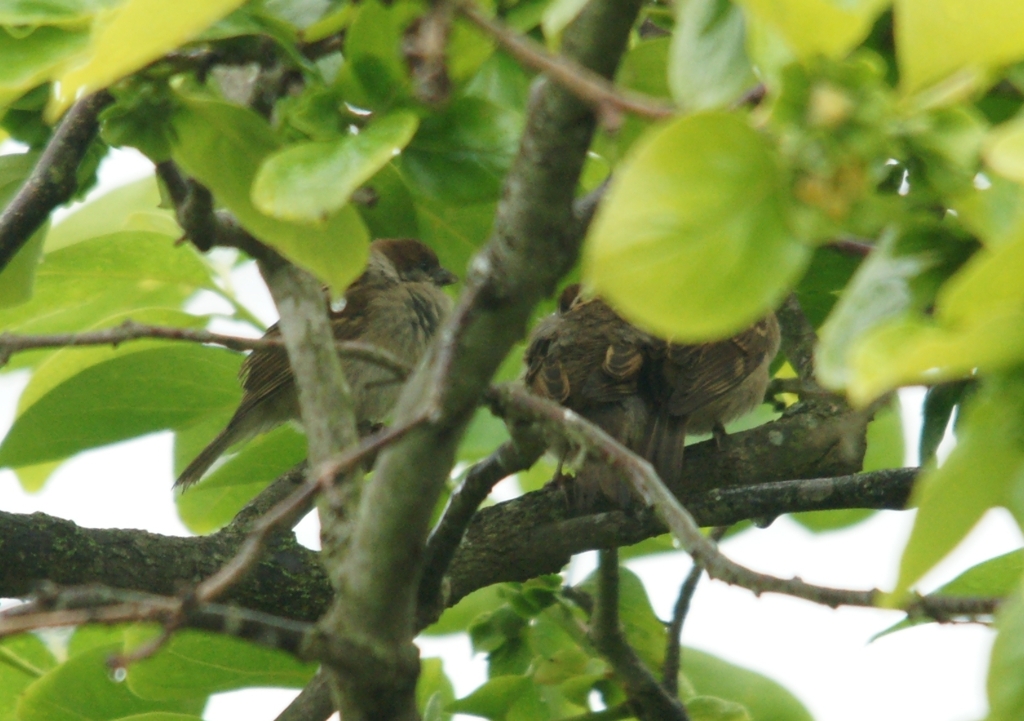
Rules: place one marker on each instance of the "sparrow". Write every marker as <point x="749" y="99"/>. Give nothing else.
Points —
<point x="397" y="304"/>
<point x="646" y="392"/>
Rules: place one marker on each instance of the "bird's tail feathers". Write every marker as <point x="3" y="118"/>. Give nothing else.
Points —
<point x="665" y="445"/>
<point x="207" y="457"/>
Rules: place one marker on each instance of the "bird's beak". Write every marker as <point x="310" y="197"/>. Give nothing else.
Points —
<point x="443" y="277"/>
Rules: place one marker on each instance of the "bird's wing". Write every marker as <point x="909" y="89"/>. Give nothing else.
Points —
<point x="699" y="374"/>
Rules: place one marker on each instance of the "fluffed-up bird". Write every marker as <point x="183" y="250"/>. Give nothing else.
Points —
<point x="397" y="304"/>
<point x="644" y="391"/>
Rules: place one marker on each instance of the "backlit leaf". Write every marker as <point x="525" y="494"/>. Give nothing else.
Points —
<point x="692" y="240"/>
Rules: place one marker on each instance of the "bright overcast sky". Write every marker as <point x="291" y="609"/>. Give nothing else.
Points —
<point x="822" y="655"/>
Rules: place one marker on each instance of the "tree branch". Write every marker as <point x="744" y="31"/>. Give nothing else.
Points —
<point x="649" y="699"/>
<point x="673" y="661"/>
<point x="511" y="457"/>
<point x="130" y="331"/>
<point x="534" y="243"/>
<point x="53" y="181"/>
<point x="573" y="428"/>
<point x="608" y="101"/>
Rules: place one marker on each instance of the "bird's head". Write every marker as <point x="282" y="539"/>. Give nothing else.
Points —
<point x="410" y="261"/>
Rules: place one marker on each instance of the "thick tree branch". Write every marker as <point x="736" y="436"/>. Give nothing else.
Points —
<point x="648" y="699"/>
<point x="517" y="403"/>
<point x="536" y="240"/>
<point x="53" y="181"/>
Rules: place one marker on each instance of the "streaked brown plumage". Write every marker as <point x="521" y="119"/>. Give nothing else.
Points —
<point x="396" y="304"/>
<point x="644" y="391"/>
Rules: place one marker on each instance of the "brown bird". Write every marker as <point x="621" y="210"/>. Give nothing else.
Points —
<point x="396" y="304"/>
<point x="642" y="390"/>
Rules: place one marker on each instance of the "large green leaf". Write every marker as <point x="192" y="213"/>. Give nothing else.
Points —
<point x="309" y="181"/>
<point x="462" y="155"/>
<point x="122" y="398"/>
<point x="221" y="495"/>
<point x="133" y="206"/>
<point x="28" y="60"/>
<point x="223" y="145"/>
<point x="975" y="325"/>
<point x="433" y="690"/>
<point x="765" y="699"/>
<point x="51" y="12"/>
<point x="692" y="241"/>
<point x="17" y="278"/>
<point x="502" y="697"/>
<point x="819" y="27"/>
<point x="82" y="689"/>
<point x="935" y="38"/>
<point x="194" y="664"/>
<point x="23" y="659"/>
<point x="976" y="476"/>
<point x="137" y="33"/>
<point x="644" y="630"/>
<point x="375" y="74"/>
<point x="77" y="287"/>
<point x="709" y="67"/>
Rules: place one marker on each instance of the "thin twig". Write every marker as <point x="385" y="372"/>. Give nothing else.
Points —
<point x="508" y="400"/>
<point x="857" y="247"/>
<point x="80" y="605"/>
<point x="130" y="331"/>
<point x="512" y="457"/>
<point x="608" y="101"/>
<point x="296" y="503"/>
<point x="647" y="698"/>
<point x="53" y="181"/>
<point x="673" y="649"/>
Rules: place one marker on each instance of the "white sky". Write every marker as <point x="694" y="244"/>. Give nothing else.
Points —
<point x="822" y="655"/>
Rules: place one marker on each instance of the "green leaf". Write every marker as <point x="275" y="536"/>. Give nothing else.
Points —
<point x="644" y="630"/>
<point x="495" y="698"/>
<point x="194" y="664"/>
<point x="18" y="278"/>
<point x="309" y="181"/>
<point x="711" y="708"/>
<point x="80" y="287"/>
<point x="556" y="18"/>
<point x="997" y="576"/>
<point x="454" y="231"/>
<point x="125" y="397"/>
<point x="433" y="690"/>
<point x="81" y="689"/>
<point x="52" y="12"/>
<point x="764" y="698"/>
<point x="393" y="215"/>
<point x="1006" y="667"/>
<point x="137" y="33"/>
<point x="223" y="145"/>
<point x="692" y="240"/>
<point x="462" y="155"/>
<point x="885" y="445"/>
<point x="459" y="617"/>
<point x="212" y="503"/>
<point x="709" y="67"/>
<point x="935" y="38"/>
<point x="121" y="209"/>
<point x="23" y="659"/>
<point x="891" y="290"/>
<point x="976" y="476"/>
<point x="375" y="75"/>
<point x="28" y="60"/>
<point x="818" y="27"/>
<point x="484" y="435"/>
